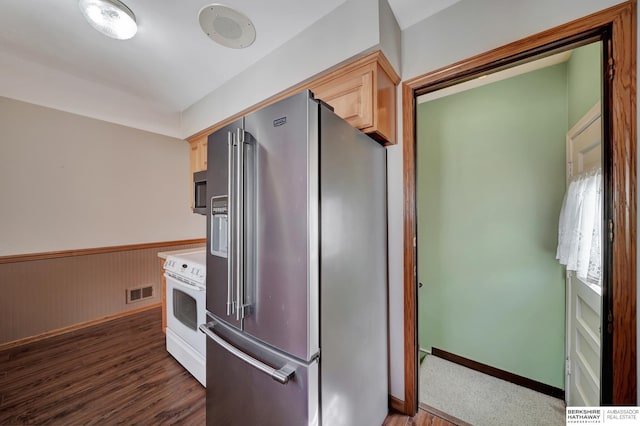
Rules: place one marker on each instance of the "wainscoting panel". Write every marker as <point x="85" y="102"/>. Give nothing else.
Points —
<point x="41" y="296"/>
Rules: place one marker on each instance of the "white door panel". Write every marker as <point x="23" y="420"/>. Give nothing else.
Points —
<point x="584" y="143"/>
<point x="584" y="383"/>
<point x="586" y="148"/>
<point x="584" y="301"/>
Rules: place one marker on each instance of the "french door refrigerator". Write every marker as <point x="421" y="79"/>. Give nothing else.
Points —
<point x="296" y="270"/>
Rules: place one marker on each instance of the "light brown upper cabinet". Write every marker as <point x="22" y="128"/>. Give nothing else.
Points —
<point x="364" y="94"/>
<point x="198" y="154"/>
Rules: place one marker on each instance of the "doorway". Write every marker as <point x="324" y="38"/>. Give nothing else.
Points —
<point x="614" y="28"/>
<point x="490" y="182"/>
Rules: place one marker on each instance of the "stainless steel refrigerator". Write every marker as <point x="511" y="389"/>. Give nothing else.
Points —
<point x="296" y="270"/>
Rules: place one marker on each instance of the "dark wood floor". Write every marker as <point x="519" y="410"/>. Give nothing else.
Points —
<point x="423" y="418"/>
<point x="113" y="373"/>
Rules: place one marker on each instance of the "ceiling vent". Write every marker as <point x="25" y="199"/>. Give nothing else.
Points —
<point x="227" y="26"/>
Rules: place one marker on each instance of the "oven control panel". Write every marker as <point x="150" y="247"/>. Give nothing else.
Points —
<point x="190" y="266"/>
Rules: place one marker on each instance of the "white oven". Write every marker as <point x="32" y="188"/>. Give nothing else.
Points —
<point x="186" y="309"/>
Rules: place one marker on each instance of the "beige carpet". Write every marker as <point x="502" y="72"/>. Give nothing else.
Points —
<point x="481" y="400"/>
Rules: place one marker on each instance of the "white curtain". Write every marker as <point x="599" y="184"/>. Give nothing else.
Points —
<point x="580" y="227"/>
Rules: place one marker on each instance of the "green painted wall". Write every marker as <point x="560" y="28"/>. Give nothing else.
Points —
<point x="584" y="86"/>
<point x="491" y="165"/>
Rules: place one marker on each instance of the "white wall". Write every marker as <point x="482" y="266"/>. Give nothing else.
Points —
<point x="390" y="36"/>
<point x="71" y="182"/>
<point x="467" y="28"/>
<point x="395" y="200"/>
<point x="349" y="30"/>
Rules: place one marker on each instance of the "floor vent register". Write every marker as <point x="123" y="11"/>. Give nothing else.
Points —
<point x="139" y="293"/>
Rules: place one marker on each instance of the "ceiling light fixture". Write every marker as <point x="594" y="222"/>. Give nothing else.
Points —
<point x="111" y="17"/>
<point x="227" y="26"/>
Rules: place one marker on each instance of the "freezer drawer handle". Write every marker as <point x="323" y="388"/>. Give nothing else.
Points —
<point x="282" y="375"/>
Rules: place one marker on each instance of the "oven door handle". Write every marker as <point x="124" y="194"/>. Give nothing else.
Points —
<point x="282" y="375"/>
<point x="182" y="283"/>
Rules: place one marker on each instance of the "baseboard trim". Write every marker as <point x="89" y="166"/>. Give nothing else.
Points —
<point x="96" y="250"/>
<point x="500" y="374"/>
<point x="448" y="417"/>
<point x="78" y="326"/>
<point x="396" y="404"/>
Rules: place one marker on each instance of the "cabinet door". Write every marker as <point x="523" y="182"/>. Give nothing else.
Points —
<point x="198" y="155"/>
<point x="351" y="96"/>
<point x="193" y="157"/>
<point x="202" y="153"/>
<point x="364" y="94"/>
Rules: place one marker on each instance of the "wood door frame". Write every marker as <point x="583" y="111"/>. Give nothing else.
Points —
<point x="616" y="26"/>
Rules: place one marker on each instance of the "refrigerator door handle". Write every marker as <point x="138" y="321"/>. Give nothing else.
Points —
<point x="282" y="375"/>
<point x="239" y="218"/>
<point x="230" y="224"/>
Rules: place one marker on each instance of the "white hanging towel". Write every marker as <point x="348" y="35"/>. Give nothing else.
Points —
<point x="580" y="227"/>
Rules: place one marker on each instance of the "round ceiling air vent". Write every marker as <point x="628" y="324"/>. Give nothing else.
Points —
<point x="227" y="26"/>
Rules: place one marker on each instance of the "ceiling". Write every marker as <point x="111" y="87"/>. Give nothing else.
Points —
<point x="409" y="12"/>
<point x="47" y="46"/>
